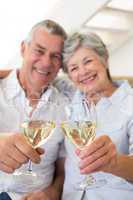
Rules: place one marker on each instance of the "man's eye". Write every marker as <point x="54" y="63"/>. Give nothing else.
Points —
<point x="57" y="56"/>
<point x="38" y="51"/>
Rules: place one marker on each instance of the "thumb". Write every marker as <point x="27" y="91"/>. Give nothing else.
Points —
<point x="40" y="150"/>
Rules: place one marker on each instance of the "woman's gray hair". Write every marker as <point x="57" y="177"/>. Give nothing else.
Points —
<point x="50" y="26"/>
<point x="87" y="40"/>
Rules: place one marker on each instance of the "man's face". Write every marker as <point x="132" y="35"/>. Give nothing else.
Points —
<point x="41" y="59"/>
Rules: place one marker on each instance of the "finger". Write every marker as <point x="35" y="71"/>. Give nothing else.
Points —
<point x="112" y="158"/>
<point x="40" y="150"/>
<point x="5" y="168"/>
<point x="10" y="162"/>
<point x="17" y="155"/>
<point x="24" y="147"/>
<point x="108" y="166"/>
<point x="93" y="157"/>
<point x="94" y="146"/>
<point x="95" y="165"/>
<point x="90" y="149"/>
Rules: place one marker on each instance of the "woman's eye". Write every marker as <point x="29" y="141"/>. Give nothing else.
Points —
<point x="88" y="61"/>
<point x="73" y="69"/>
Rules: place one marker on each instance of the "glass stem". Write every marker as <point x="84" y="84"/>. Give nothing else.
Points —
<point x="29" y="166"/>
<point x="89" y="179"/>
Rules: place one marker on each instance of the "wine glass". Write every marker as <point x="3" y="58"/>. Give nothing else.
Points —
<point x="80" y="129"/>
<point x="37" y="132"/>
<point x="37" y="128"/>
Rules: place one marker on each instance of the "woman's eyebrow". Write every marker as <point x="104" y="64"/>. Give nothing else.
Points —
<point x="86" y="58"/>
<point x="72" y="65"/>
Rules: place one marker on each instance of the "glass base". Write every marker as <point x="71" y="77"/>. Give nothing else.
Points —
<point x="89" y="183"/>
<point x="24" y="173"/>
<point x="26" y="181"/>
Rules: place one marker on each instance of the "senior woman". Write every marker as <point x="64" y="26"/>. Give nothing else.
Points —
<point x="109" y="156"/>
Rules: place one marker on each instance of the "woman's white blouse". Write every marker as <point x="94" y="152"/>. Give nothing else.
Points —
<point x="115" y="118"/>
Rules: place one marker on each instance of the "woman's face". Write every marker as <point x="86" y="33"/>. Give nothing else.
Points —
<point x="87" y="71"/>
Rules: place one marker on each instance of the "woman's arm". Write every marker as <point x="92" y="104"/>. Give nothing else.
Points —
<point x="101" y="155"/>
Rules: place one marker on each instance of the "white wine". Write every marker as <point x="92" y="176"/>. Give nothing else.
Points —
<point x="79" y="133"/>
<point x="37" y="131"/>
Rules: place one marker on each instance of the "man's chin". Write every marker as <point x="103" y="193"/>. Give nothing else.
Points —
<point x="36" y="86"/>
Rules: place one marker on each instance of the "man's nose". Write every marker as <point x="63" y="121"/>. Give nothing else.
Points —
<point x="46" y="60"/>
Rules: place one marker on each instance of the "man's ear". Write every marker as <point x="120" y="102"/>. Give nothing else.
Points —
<point x="22" y="48"/>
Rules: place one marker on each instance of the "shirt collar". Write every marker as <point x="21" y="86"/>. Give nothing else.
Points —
<point x="47" y="95"/>
<point x="121" y="92"/>
<point x="12" y="88"/>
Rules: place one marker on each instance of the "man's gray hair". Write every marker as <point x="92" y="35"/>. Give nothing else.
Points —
<point x="50" y="26"/>
<point x="87" y="40"/>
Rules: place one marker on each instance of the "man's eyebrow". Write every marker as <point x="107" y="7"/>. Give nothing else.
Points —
<point x="41" y="47"/>
<point x="44" y="48"/>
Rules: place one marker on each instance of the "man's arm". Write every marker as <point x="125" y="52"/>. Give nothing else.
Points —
<point x="4" y="73"/>
<point x="54" y="191"/>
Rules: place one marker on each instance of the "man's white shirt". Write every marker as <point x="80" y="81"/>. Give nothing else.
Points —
<point x="12" y="114"/>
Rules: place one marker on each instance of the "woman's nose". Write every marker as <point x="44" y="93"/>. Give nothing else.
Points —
<point x="82" y="70"/>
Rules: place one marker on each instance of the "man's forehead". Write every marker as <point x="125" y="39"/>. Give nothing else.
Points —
<point x="44" y="40"/>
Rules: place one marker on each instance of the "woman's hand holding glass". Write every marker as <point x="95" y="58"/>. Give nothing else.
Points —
<point x="95" y="153"/>
<point x="99" y="155"/>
